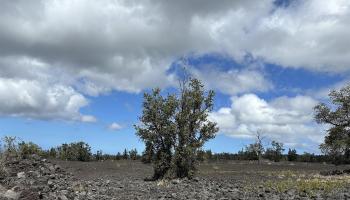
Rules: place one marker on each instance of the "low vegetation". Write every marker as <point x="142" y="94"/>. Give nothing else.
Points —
<point x="81" y="151"/>
<point x="308" y="186"/>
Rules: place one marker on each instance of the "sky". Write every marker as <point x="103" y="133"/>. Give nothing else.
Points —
<point x="76" y="70"/>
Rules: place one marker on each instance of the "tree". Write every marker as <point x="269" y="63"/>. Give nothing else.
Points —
<point x="292" y="155"/>
<point x="275" y="153"/>
<point x="176" y="126"/>
<point x="258" y="146"/>
<point x="250" y="152"/>
<point x="99" y="155"/>
<point x="337" y="141"/>
<point x="118" y="156"/>
<point x="133" y="154"/>
<point x="125" y="154"/>
<point x="83" y="151"/>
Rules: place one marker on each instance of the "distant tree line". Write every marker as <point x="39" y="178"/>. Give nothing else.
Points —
<point x="75" y="151"/>
<point x="81" y="151"/>
<point x="249" y="155"/>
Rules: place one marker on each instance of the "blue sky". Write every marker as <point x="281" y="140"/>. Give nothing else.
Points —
<point x="77" y="70"/>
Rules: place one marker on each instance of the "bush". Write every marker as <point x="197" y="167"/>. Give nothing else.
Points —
<point x="78" y="151"/>
<point x="10" y="147"/>
<point x="28" y="149"/>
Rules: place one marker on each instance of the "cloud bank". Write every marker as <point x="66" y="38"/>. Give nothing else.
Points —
<point x="56" y="53"/>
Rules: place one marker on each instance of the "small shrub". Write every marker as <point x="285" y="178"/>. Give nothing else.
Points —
<point x="28" y="149"/>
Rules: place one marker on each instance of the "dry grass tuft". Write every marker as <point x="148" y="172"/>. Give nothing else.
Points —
<point x="309" y="185"/>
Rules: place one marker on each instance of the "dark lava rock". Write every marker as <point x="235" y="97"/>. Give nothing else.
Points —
<point x="346" y="171"/>
<point x="36" y="178"/>
<point x="331" y="173"/>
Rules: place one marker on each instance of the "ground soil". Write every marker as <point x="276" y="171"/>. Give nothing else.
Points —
<point x="236" y="170"/>
<point x="215" y="180"/>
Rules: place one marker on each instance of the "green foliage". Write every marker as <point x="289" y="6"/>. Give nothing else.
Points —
<point x="147" y="155"/>
<point x="253" y="151"/>
<point x="52" y="153"/>
<point x="201" y="155"/>
<point x="14" y="148"/>
<point x="118" y="156"/>
<point x="76" y="151"/>
<point x="208" y="155"/>
<point x="176" y="127"/>
<point x="292" y="155"/>
<point x="204" y="155"/>
<point x="99" y="155"/>
<point x="250" y="152"/>
<point x="307" y="157"/>
<point x="10" y="147"/>
<point x="28" y="149"/>
<point x="275" y="153"/>
<point x="337" y="142"/>
<point x="133" y="154"/>
<point x="125" y="154"/>
<point x="307" y="186"/>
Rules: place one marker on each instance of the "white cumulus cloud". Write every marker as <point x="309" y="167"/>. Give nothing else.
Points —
<point x="115" y="126"/>
<point x="34" y="99"/>
<point x="286" y="119"/>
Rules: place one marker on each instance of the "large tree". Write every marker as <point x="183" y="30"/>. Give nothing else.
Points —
<point x="176" y="127"/>
<point x="337" y="116"/>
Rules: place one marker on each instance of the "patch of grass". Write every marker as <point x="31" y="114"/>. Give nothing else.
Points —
<point x="285" y="174"/>
<point x="309" y="185"/>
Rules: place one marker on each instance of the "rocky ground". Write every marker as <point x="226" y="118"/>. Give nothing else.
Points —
<point x="38" y="178"/>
